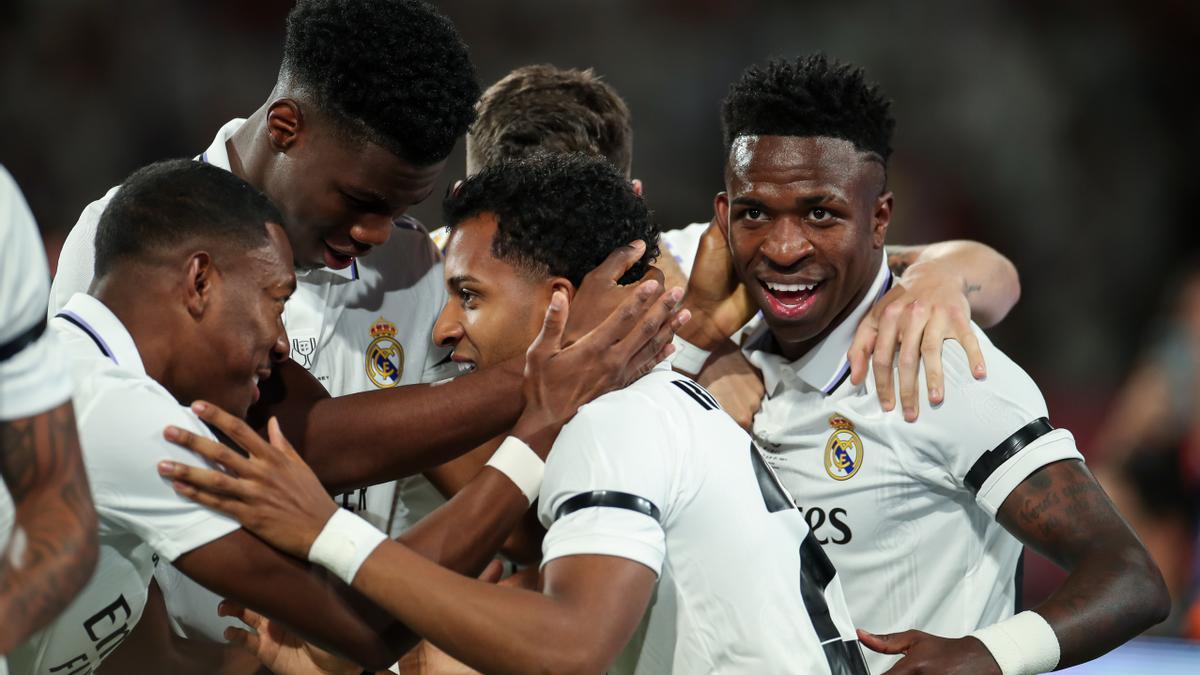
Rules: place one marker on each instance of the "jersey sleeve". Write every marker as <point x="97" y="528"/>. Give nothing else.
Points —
<point x="989" y="435"/>
<point x="608" y="483"/>
<point x="32" y="379"/>
<point x="122" y="461"/>
<point x="77" y="260"/>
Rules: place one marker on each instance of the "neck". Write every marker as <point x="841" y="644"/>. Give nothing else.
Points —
<point x="139" y="308"/>
<point x="248" y="155"/>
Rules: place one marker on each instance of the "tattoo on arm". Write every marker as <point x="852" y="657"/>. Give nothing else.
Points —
<point x="43" y="568"/>
<point x="1113" y="590"/>
<point x="970" y="288"/>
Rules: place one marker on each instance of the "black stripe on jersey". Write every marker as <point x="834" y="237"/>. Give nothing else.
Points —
<point x="993" y="459"/>
<point x="24" y="339"/>
<point x="816" y="571"/>
<point x="698" y="394"/>
<point x="773" y="494"/>
<point x="611" y="499"/>
<point x="86" y="331"/>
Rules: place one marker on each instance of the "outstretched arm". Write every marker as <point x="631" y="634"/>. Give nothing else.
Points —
<point x="989" y="280"/>
<point x="52" y="549"/>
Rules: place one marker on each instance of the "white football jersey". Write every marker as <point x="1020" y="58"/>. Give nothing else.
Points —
<point x="121" y="413"/>
<point x="658" y="474"/>
<point x="907" y="511"/>
<point x="369" y="326"/>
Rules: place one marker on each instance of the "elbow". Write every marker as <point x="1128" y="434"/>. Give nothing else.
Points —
<point x="1156" y="597"/>
<point x="575" y="657"/>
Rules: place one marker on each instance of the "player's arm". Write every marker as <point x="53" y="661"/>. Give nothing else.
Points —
<point x="938" y="290"/>
<point x="371" y="437"/>
<point x="51" y="552"/>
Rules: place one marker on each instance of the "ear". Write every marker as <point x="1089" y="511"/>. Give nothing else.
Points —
<point x="561" y="284"/>
<point x="201" y="276"/>
<point x="881" y="219"/>
<point x="721" y="213"/>
<point x="285" y="123"/>
<point x="637" y="186"/>
<point x="456" y="187"/>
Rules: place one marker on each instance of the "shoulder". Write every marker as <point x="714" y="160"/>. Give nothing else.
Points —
<point x="408" y="258"/>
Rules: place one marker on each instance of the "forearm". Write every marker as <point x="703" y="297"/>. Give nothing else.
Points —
<point x="494" y="629"/>
<point x="372" y="437"/>
<point x="989" y="280"/>
<point x="51" y="551"/>
<point x="466" y="532"/>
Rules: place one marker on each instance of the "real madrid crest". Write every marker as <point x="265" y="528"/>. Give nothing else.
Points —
<point x="844" y="451"/>
<point x="385" y="356"/>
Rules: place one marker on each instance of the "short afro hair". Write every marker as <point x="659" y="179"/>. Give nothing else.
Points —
<point x="394" y="72"/>
<point x="810" y="96"/>
<point x="544" y="108"/>
<point x="557" y="214"/>
<point x="179" y="201"/>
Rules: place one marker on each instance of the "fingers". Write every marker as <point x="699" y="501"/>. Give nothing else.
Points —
<point x="214" y="452"/>
<point x="226" y="503"/>
<point x="966" y="337"/>
<point x="277" y="439"/>
<point x="244" y="639"/>
<point x="916" y="317"/>
<point x="894" y="643"/>
<point x="492" y="573"/>
<point x="931" y="357"/>
<point x="884" y="354"/>
<point x="653" y="327"/>
<point x="618" y="262"/>
<point x="234" y="428"/>
<point x="659" y="348"/>
<point x="862" y="346"/>
<point x="549" y="338"/>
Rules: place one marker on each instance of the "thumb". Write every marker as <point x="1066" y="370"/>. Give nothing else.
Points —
<point x="492" y="573"/>
<point x="277" y="439"/>
<point x="619" y="261"/>
<point x="549" y="340"/>
<point x="893" y="643"/>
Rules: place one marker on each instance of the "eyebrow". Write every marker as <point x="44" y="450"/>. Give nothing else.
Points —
<point x="748" y="201"/>
<point x="460" y="279"/>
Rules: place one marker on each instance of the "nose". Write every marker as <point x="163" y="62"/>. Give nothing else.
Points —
<point x="447" y="330"/>
<point x="786" y="245"/>
<point x="283" y="346"/>
<point x="372" y="230"/>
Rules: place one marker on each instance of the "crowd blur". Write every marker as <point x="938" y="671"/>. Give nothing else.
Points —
<point x="1063" y="134"/>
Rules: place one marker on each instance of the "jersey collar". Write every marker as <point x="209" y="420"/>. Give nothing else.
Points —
<point x="89" y="316"/>
<point x="826" y="366"/>
<point x="217" y="154"/>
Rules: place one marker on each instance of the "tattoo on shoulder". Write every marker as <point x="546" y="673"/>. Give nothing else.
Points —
<point x="1048" y="506"/>
<point x="970" y="288"/>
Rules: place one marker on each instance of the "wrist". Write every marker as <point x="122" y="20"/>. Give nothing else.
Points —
<point x="1024" y="644"/>
<point x="537" y="431"/>
<point x="701" y="330"/>
<point x="517" y="461"/>
<point x="344" y="544"/>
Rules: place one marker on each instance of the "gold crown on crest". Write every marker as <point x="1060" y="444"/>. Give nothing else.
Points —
<point x="837" y="421"/>
<point x="383" y="328"/>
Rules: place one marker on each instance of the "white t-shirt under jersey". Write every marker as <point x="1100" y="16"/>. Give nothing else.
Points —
<point x="366" y="327"/>
<point x="121" y="413"/>
<point x="907" y="511"/>
<point x="657" y="473"/>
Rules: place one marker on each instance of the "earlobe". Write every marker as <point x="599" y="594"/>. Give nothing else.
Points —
<point x="721" y="212"/>
<point x="562" y="284"/>
<point x="284" y="124"/>
<point x="637" y="186"/>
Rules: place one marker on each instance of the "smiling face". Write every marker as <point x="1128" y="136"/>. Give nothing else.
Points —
<point x="339" y="197"/>
<point x="806" y="218"/>
<point x="495" y="310"/>
<point x="224" y="365"/>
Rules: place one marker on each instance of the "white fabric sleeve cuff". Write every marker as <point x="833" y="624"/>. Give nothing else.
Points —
<point x="344" y="544"/>
<point x="521" y="464"/>
<point x="1022" y="645"/>
<point x="688" y="358"/>
<point x="34" y="380"/>
<point x="1054" y="446"/>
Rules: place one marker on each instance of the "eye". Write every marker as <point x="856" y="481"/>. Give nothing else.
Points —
<point x="819" y="214"/>
<point x="467" y="298"/>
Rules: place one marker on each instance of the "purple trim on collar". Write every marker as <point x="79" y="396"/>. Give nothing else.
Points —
<point x="354" y="269"/>
<point x="91" y="332"/>
<point x="204" y="157"/>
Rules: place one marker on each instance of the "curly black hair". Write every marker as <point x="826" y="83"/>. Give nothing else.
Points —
<point x="557" y="214"/>
<point x="393" y="71"/>
<point x="810" y="96"/>
<point x="170" y="203"/>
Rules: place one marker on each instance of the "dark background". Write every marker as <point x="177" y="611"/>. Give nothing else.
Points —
<point x="1061" y="133"/>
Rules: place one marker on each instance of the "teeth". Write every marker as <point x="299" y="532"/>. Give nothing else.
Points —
<point x="789" y="288"/>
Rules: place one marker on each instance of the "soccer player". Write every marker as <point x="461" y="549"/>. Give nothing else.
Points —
<point x="184" y="252"/>
<point x="541" y="107"/>
<point x="925" y="520"/>
<point x="355" y="131"/>
<point x="654" y="478"/>
<point x="47" y="520"/>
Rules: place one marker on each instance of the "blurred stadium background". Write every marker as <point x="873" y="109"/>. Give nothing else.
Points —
<point x="1061" y="133"/>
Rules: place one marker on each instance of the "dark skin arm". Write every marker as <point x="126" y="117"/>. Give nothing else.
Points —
<point x="406" y="430"/>
<point x="52" y="550"/>
<point x="1113" y="589"/>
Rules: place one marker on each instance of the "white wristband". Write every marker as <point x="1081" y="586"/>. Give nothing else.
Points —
<point x="344" y="544"/>
<point x="521" y="464"/>
<point x="1022" y="645"/>
<point x="688" y="357"/>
